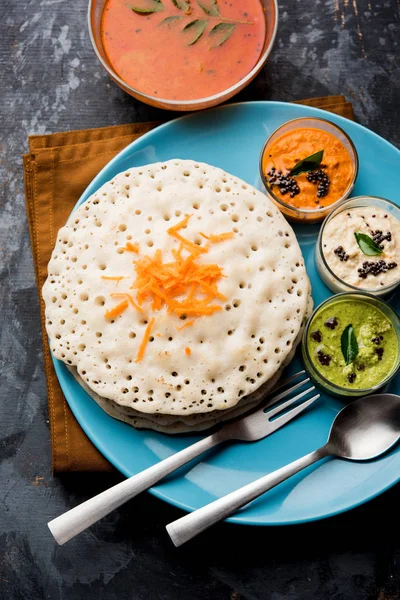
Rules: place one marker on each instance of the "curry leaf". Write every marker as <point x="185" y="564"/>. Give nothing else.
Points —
<point x="196" y="29"/>
<point x="182" y="5"/>
<point x="367" y="245"/>
<point x="349" y="345"/>
<point x="209" y="7"/>
<point x="220" y="33"/>
<point x="307" y="164"/>
<point x="170" y="20"/>
<point x="148" y="7"/>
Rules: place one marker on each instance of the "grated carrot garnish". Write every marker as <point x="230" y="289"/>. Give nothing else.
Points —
<point x="187" y="324"/>
<point x="157" y="303"/>
<point x="192" y="291"/>
<point x="117" y="310"/>
<point x="133" y="303"/>
<point x="144" y="341"/>
<point x="187" y="244"/>
<point x="212" y="291"/>
<point x="183" y="286"/>
<point x="220" y="237"/>
<point x="129" y="298"/>
<point x="188" y="351"/>
<point x="198" y="308"/>
<point x="129" y="247"/>
<point x="113" y="278"/>
<point x="180" y="225"/>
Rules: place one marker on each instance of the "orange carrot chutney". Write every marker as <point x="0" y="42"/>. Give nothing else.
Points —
<point x="318" y="187"/>
<point x="182" y="49"/>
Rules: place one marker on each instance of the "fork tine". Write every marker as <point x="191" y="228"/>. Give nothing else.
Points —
<point x="286" y="381"/>
<point x="286" y="393"/>
<point x="281" y="407"/>
<point x="292" y="413"/>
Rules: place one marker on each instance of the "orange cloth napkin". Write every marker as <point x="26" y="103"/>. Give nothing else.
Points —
<point x="57" y="170"/>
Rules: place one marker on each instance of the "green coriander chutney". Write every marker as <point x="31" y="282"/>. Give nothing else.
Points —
<point x="376" y="340"/>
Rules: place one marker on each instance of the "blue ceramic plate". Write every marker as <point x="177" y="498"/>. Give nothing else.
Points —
<point x="231" y="137"/>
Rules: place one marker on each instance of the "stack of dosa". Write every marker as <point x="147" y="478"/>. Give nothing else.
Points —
<point x="236" y="354"/>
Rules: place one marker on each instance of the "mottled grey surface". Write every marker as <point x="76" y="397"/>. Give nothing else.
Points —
<point x="51" y="81"/>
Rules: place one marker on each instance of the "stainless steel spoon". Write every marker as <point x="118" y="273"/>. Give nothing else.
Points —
<point x="362" y="430"/>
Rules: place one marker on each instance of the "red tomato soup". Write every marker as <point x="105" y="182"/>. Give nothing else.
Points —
<point x="183" y="54"/>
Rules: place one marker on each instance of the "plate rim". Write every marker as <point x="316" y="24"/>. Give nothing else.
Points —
<point x="62" y="376"/>
<point x="88" y="191"/>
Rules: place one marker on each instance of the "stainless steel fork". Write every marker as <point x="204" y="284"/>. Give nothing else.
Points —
<point x="249" y="428"/>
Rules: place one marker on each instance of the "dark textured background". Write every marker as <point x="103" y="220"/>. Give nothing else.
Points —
<point x="51" y="81"/>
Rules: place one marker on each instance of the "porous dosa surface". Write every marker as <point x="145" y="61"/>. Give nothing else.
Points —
<point x="234" y="351"/>
<point x="178" y="424"/>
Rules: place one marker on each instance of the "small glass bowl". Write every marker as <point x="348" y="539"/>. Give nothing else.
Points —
<point x="95" y="11"/>
<point x="318" y="378"/>
<point x="309" y="215"/>
<point x="331" y="280"/>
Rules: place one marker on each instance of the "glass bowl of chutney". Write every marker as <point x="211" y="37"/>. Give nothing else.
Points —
<point x="308" y="166"/>
<point x="141" y="44"/>
<point x="371" y="264"/>
<point x="351" y="344"/>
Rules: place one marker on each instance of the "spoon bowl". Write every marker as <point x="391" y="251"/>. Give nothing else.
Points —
<point x="366" y="428"/>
